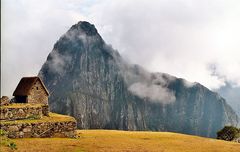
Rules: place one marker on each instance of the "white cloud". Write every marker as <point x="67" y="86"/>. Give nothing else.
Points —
<point x="58" y="62"/>
<point x="180" y="37"/>
<point x="29" y="30"/>
<point x="156" y="93"/>
<point x="146" y="85"/>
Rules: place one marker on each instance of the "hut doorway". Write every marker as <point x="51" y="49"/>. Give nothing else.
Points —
<point x="21" y="99"/>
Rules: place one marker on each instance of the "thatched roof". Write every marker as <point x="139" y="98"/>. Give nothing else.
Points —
<point x="25" y="85"/>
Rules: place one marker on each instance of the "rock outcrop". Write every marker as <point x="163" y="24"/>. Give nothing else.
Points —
<point x="90" y="81"/>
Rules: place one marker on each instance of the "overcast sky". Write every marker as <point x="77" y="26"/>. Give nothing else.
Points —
<point x="198" y="40"/>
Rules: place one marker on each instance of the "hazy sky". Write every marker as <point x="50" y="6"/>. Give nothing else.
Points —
<point x="198" y="40"/>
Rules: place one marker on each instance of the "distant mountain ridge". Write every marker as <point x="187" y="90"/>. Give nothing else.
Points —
<point x="89" y="80"/>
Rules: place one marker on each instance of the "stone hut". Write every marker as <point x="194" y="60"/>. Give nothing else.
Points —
<point x="31" y="90"/>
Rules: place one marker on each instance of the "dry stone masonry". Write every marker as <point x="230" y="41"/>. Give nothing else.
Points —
<point x="38" y="92"/>
<point x="38" y="129"/>
<point x="29" y="116"/>
<point x="22" y="111"/>
<point x="35" y="120"/>
<point x="31" y="90"/>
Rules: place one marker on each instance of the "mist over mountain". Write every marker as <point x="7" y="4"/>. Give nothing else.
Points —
<point x="232" y="95"/>
<point x="89" y="80"/>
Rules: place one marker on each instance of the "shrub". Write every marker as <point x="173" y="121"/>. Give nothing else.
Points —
<point x="228" y="133"/>
<point x="5" y="141"/>
<point x="33" y="117"/>
<point x="12" y="145"/>
<point x="3" y="132"/>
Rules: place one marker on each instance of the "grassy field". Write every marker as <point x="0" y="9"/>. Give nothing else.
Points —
<point x="125" y="141"/>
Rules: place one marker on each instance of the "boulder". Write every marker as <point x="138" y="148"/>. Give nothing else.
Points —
<point x="4" y="101"/>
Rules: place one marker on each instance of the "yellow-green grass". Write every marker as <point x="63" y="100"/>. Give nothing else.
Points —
<point x="20" y="105"/>
<point x="53" y="117"/>
<point x="126" y="141"/>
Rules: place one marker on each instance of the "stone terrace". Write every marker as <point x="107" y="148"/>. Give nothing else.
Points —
<point x="35" y="120"/>
<point x="22" y="111"/>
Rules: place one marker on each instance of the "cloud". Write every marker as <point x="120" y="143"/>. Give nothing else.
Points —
<point x="155" y="93"/>
<point x="58" y="62"/>
<point x="180" y="37"/>
<point x="146" y="85"/>
<point x="231" y="94"/>
<point x="188" y="84"/>
<point x="29" y="30"/>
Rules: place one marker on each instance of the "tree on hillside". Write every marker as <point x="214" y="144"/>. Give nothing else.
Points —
<point x="228" y="133"/>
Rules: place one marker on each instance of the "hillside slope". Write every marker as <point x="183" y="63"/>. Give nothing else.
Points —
<point x="89" y="80"/>
<point x="103" y="140"/>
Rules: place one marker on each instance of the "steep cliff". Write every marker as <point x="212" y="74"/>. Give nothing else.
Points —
<point x="89" y="80"/>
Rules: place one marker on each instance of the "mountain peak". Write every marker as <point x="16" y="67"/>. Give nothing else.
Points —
<point x="100" y="90"/>
<point x="86" y="27"/>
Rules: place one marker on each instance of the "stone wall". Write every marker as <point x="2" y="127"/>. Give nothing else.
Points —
<point x="41" y="129"/>
<point x="45" y="110"/>
<point x="4" y="101"/>
<point x="21" y="120"/>
<point x="38" y="94"/>
<point x="23" y="111"/>
<point x="16" y="113"/>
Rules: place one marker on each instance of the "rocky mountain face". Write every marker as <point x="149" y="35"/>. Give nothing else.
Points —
<point x="89" y="80"/>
